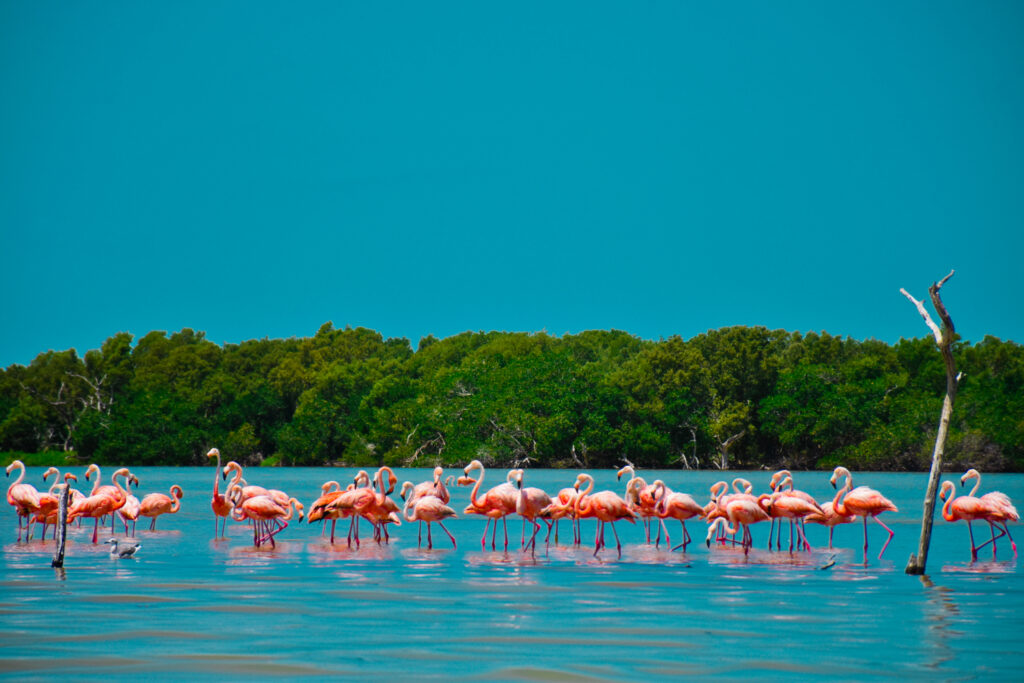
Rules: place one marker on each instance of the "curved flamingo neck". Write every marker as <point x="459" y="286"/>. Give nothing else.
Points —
<point x="837" y="503"/>
<point x="233" y="466"/>
<point x="95" y="486"/>
<point x="217" y="474"/>
<point x="977" y="482"/>
<point x="947" y="507"/>
<point x="476" y="486"/>
<point x="21" y="476"/>
<point x="581" y="505"/>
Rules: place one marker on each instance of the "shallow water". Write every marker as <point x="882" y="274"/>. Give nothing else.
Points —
<point x="189" y="605"/>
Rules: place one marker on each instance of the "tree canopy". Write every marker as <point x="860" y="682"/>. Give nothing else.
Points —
<point x="743" y="397"/>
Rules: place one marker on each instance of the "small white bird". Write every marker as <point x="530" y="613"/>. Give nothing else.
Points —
<point x="123" y="548"/>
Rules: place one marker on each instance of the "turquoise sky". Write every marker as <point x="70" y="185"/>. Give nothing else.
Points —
<point x="254" y="169"/>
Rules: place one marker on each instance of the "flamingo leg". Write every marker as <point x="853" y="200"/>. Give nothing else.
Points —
<point x="494" y="535"/>
<point x="994" y="537"/>
<point x="430" y="539"/>
<point x="891" y="534"/>
<point x="441" y="524"/>
<point x="974" y="550"/>
<point x="597" y="538"/>
<point x="152" y="525"/>
<point x="618" y="545"/>
<point x="504" y="525"/>
<point x="96" y="529"/>
<point x="771" y="533"/>
<point x="830" y="530"/>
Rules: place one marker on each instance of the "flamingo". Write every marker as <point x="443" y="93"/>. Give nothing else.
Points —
<point x="779" y="480"/>
<point x="95" y="506"/>
<point x="967" y="508"/>
<point x="830" y="518"/>
<point x="861" y="502"/>
<point x="784" y="505"/>
<point x="604" y="506"/>
<point x="319" y="508"/>
<point x="262" y="510"/>
<point x="1002" y="508"/>
<point x="156" y="504"/>
<point x="49" y="502"/>
<point x="115" y="492"/>
<point x="129" y="512"/>
<point x="676" y="505"/>
<point x="743" y="509"/>
<point x="24" y="498"/>
<point x="426" y="508"/>
<point x="498" y="503"/>
<point x="529" y="505"/>
<point x="564" y="505"/>
<point x="434" y="487"/>
<point x="220" y="505"/>
<point x="642" y="500"/>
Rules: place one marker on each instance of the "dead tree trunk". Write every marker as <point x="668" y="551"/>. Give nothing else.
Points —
<point x="62" y="526"/>
<point x="944" y="338"/>
<point x="723" y="449"/>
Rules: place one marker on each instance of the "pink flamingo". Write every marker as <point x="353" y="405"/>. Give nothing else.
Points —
<point x="564" y="505"/>
<point x="779" y="480"/>
<point x="1002" y="511"/>
<point x="156" y="504"/>
<point x="743" y="510"/>
<point x="642" y="500"/>
<point x="605" y="507"/>
<point x="93" y="507"/>
<point x="861" y="502"/>
<point x="967" y="508"/>
<point x="129" y="512"/>
<point x="426" y="508"/>
<point x="530" y="504"/>
<point x="784" y="505"/>
<point x="320" y="508"/>
<point x="262" y="510"/>
<point x="24" y="498"/>
<point x="219" y="503"/>
<point x="434" y="487"/>
<point x="114" y="490"/>
<point x="676" y="505"/>
<point x="498" y="503"/>
<point x="49" y="502"/>
<point x="828" y="517"/>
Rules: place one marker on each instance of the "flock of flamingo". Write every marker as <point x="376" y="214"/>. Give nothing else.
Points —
<point x="727" y="513"/>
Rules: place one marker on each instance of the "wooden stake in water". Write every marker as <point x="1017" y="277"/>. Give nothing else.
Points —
<point x="62" y="525"/>
<point x="944" y="338"/>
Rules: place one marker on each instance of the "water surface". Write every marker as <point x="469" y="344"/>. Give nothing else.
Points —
<point x="190" y="605"/>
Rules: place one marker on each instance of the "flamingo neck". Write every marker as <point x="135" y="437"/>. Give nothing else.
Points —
<point x="476" y="488"/>
<point x="837" y="503"/>
<point x="217" y="473"/>
<point x="947" y="507"/>
<point x="581" y="505"/>
<point x="17" y="463"/>
<point x="977" y="484"/>
<point x="96" y="486"/>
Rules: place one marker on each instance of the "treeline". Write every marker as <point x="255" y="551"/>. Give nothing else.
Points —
<point x="739" y="397"/>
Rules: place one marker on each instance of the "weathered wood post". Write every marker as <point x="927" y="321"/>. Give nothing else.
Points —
<point x="944" y="338"/>
<point x="62" y="525"/>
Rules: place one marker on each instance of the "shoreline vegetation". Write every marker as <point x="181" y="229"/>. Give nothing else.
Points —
<point x="737" y="398"/>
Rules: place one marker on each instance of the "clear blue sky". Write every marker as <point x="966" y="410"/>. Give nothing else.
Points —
<point x="255" y="169"/>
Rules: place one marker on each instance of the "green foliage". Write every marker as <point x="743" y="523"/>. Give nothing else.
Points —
<point x="764" y="398"/>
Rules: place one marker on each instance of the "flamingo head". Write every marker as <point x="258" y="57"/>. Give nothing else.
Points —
<point x="838" y="472"/>
<point x="132" y="480"/>
<point x="628" y="469"/>
<point x="52" y="470"/>
<point x="405" y="488"/>
<point x="947" y="488"/>
<point x="92" y="468"/>
<point x="213" y="453"/>
<point x="969" y="474"/>
<point x="475" y="465"/>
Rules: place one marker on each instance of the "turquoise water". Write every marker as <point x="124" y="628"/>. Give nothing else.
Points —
<point x="191" y="606"/>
